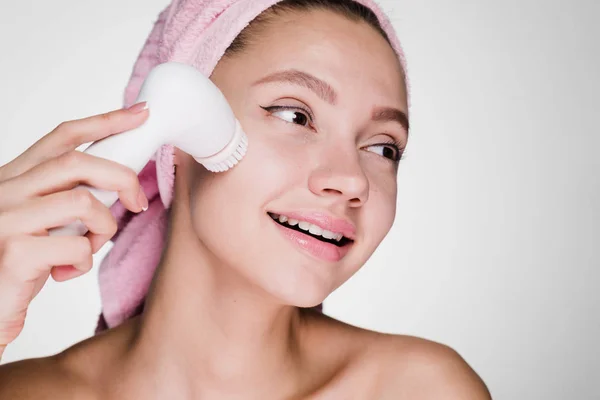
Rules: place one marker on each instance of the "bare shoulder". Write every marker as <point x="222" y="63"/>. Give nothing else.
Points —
<point x="385" y="366"/>
<point x="417" y="368"/>
<point x="40" y="378"/>
<point x="71" y="374"/>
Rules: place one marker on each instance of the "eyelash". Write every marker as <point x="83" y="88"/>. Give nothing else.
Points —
<point x="396" y="145"/>
<point x="399" y="149"/>
<point x="290" y="108"/>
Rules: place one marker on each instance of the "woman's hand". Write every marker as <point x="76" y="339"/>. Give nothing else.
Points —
<point x="38" y="192"/>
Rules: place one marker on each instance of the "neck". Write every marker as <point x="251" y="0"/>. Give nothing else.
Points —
<point x="205" y="329"/>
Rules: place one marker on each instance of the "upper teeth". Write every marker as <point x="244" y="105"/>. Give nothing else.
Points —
<point x="306" y="226"/>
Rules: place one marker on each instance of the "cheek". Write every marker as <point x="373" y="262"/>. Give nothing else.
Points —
<point x="381" y="206"/>
<point x="239" y="197"/>
<point x="269" y="169"/>
<point x="275" y="160"/>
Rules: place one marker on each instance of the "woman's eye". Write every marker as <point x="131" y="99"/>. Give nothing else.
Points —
<point x="390" y="151"/>
<point x="290" y="114"/>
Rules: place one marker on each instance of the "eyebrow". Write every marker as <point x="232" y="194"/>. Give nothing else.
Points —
<point x="326" y="93"/>
<point x="385" y="114"/>
<point x="311" y="82"/>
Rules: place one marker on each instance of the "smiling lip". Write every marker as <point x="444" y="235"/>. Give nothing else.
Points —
<point x="320" y="250"/>
<point x="324" y="221"/>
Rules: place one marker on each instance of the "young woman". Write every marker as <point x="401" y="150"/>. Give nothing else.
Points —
<point x="321" y="93"/>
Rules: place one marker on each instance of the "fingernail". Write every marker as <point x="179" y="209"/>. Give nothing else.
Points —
<point x="142" y="200"/>
<point x="138" y="107"/>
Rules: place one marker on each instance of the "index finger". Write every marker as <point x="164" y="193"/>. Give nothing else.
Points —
<point x="71" y="134"/>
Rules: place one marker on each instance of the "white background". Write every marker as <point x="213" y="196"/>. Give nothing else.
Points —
<point x="494" y="251"/>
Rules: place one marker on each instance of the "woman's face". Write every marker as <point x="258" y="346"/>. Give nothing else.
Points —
<point x="315" y="97"/>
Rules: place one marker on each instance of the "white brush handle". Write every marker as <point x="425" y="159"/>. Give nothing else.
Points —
<point x="188" y="111"/>
<point x="133" y="149"/>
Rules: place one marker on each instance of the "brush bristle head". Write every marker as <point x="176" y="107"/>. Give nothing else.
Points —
<point x="231" y="155"/>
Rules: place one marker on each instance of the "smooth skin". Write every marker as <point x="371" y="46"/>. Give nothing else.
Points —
<point x="225" y="315"/>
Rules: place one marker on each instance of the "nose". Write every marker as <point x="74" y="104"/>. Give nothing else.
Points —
<point x="339" y="175"/>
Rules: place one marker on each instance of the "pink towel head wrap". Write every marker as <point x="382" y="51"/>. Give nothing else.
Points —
<point x="195" y="32"/>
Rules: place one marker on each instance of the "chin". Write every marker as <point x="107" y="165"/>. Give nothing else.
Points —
<point x="297" y="285"/>
<point x="308" y="301"/>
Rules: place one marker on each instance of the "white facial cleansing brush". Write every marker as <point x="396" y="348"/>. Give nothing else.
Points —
<point x="186" y="110"/>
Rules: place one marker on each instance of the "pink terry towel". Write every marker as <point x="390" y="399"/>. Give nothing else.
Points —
<point x="195" y="32"/>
